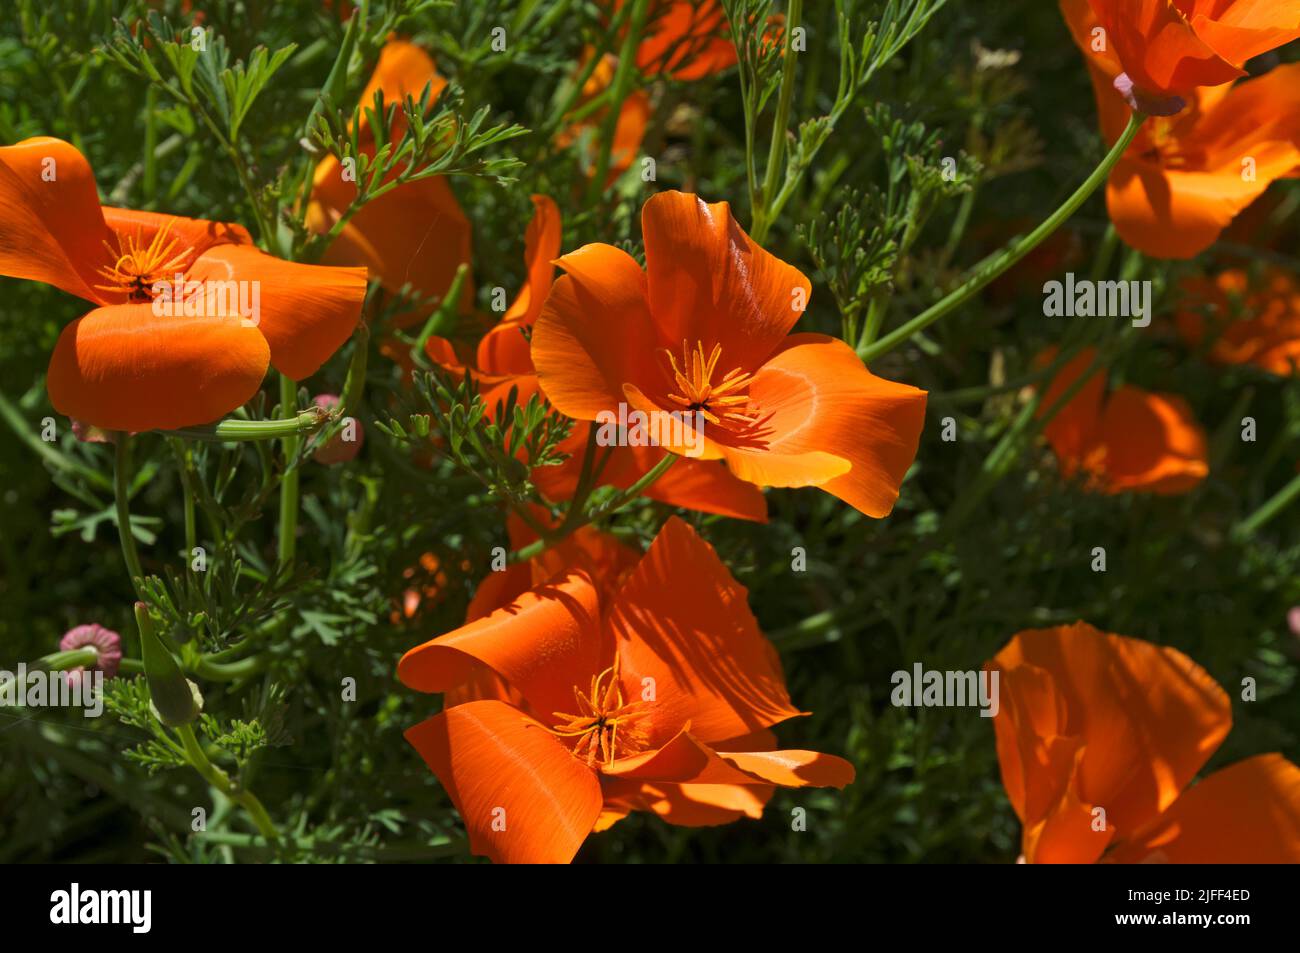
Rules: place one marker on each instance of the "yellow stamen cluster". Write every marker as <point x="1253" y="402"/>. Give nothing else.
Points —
<point x="605" y="726"/>
<point x="136" y="266"/>
<point x="723" y="403"/>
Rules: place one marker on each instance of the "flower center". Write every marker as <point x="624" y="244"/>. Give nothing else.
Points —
<point x="604" y="727"/>
<point x="137" y="266"/>
<point x="725" y="403"/>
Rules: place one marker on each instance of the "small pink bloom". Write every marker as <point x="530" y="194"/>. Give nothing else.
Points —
<point x="106" y="643"/>
<point x="1293" y="620"/>
<point x="344" y="445"/>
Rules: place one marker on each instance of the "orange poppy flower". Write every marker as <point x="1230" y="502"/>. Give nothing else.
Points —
<point x="684" y="39"/>
<point x="658" y="697"/>
<point x="1174" y="46"/>
<point x="1185" y="177"/>
<point x="503" y="361"/>
<point x="704" y="330"/>
<point x="145" y="359"/>
<point x="1098" y="738"/>
<point x="1131" y="441"/>
<point x="415" y="234"/>
<point x="1250" y="324"/>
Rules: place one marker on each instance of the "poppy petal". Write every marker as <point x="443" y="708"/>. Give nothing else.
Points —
<point x="543" y="643"/>
<point x="692" y="805"/>
<point x="1145" y="716"/>
<point x="524" y="798"/>
<point x="1248" y="813"/>
<point x="817" y="397"/>
<point x="121" y="367"/>
<point x="709" y="664"/>
<point x="307" y="312"/>
<point x="51" y="226"/>
<point x="594" y="332"/>
<point x="710" y="283"/>
<point x="1151" y="442"/>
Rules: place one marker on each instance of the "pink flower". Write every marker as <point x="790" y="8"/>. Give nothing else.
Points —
<point x="106" y="643"/>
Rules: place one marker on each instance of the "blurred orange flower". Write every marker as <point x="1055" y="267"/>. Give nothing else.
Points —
<point x="684" y="39"/>
<point x="1098" y="738"/>
<point x="658" y="697"/>
<point x="1185" y="177"/>
<point x="1130" y="441"/>
<point x="1174" y="46"/>
<point x="629" y="131"/>
<point x="415" y="234"/>
<point x="1250" y="323"/>
<point x="129" y="364"/>
<point x="704" y="330"/>
<point x="503" y="362"/>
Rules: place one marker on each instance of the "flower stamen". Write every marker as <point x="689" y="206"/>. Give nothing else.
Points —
<point x="605" y="726"/>
<point x="725" y="403"/>
<point x="137" y="267"/>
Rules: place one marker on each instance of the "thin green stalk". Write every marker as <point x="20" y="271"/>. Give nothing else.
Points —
<point x="304" y="423"/>
<point x="287" y="543"/>
<point x="221" y="781"/>
<point x="613" y="505"/>
<point x="1003" y="260"/>
<point x="624" y="75"/>
<point x="122" y="501"/>
<point x="776" y="152"/>
<point x="1276" y="504"/>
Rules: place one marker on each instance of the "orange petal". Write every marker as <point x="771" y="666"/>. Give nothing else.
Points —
<point x="1158" y="48"/>
<point x="690" y="805"/>
<point x="819" y="401"/>
<point x="524" y="798"/>
<point x="711" y="666"/>
<point x="1248" y="813"/>
<point x="594" y="332"/>
<point x="1241" y="30"/>
<point x="790" y="768"/>
<point x="403" y="69"/>
<point x="504" y="349"/>
<point x="1072" y="432"/>
<point x="122" y="367"/>
<point x="710" y="283"/>
<point x="307" y="311"/>
<point x="1151" y="442"/>
<point x="51" y="227"/>
<point x="543" y="643"/>
<point x="1144" y="719"/>
<point x="686" y="39"/>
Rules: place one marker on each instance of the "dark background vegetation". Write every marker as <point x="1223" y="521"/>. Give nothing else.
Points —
<point x="880" y="594"/>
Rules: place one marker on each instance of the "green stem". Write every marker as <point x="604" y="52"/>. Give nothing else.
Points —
<point x="1276" y="504"/>
<point x="221" y="781"/>
<point x="288" y="539"/>
<point x="300" y="424"/>
<point x="122" y="500"/>
<point x="1004" y="259"/>
<point x="613" y="505"/>
<point x="776" y="152"/>
<point x="621" y="87"/>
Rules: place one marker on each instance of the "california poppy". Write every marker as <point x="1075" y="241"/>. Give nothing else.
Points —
<point x="1175" y="46"/>
<point x="415" y="234"/>
<point x="703" y="330"/>
<point x="1185" y="177"/>
<point x="1099" y="737"/>
<point x="502" y="361"/>
<point x="1247" y="322"/>
<point x="129" y="364"/>
<point x="1130" y="440"/>
<point x="684" y="39"/>
<point x="659" y="697"/>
